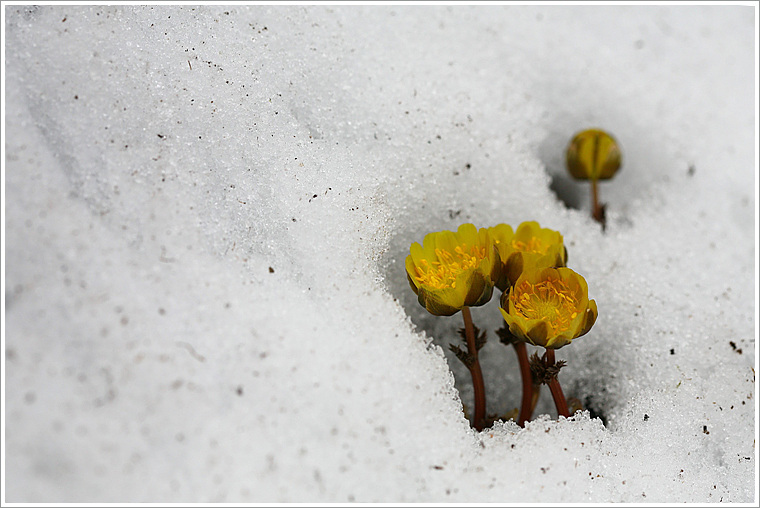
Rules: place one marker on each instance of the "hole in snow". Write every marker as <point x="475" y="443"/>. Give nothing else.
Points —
<point x="567" y="190"/>
<point x="498" y="362"/>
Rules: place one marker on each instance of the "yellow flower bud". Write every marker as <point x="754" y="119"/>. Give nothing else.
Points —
<point x="593" y="155"/>
<point x="548" y="307"/>
<point x="529" y="248"/>
<point x="453" y="270"/>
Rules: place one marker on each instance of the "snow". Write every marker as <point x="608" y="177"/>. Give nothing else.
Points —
<point x="207" y="211"/>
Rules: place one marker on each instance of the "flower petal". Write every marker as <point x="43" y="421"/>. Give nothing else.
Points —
<point x="590" y="318"/>
<point x="538" y="333"/>
<point x="440" y="302"/>
<point x="559" y="341"/>
<point x="417" y="253"/>
<point x="446" y="240"/>
<point x="468" y="233"/>
<point x="513" y="268"/>
<point x="409" y="279"/>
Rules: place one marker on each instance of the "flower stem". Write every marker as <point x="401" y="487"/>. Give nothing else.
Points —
<point x="556" y="389"/>
<point x="477" y="375"/>
<point x="596" y="212"/>
<point x="526" y="409"/>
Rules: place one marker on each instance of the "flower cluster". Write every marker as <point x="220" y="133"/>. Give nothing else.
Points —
<point x="543" y="302"/>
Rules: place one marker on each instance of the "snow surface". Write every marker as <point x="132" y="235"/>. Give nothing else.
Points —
<point x="207" y="211"/>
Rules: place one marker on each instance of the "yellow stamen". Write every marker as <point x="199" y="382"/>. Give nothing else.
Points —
<point x="442" y="272"/>
<point x="533" y="245"/>
<point x="550" y="300"/>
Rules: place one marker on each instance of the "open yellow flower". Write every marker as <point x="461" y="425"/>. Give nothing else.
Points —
<point x="549" y="307"/>
<point x="531" y="247"/>
<point x="453" y="270"/>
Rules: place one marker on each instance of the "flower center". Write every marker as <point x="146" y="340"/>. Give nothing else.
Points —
<point x="550" y="300"/>
<point x="533" y="245"/>
<point x="442" y="273"/>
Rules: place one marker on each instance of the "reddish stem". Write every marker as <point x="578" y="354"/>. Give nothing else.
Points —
<point x="556" y="389"/>
<point x="596" y="211"/>
<point x="477" y="375"/>
<point x="526" y="409"/>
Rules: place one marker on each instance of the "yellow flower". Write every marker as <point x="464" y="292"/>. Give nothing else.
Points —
<point x="529" y="248"/>
<point x="549" y="307"/>
<point x="453" y="270"/>
<point x="593" y="155"/>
